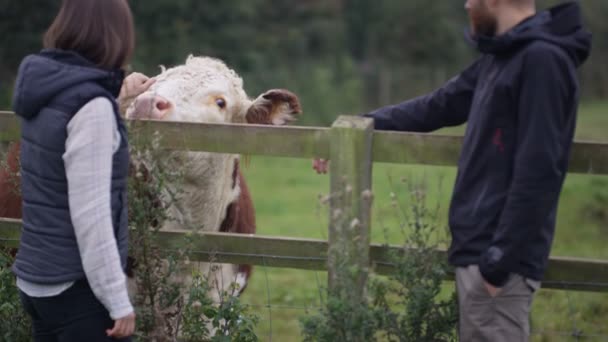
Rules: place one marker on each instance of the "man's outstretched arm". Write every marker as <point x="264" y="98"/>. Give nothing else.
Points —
<point x="447" y="106"/>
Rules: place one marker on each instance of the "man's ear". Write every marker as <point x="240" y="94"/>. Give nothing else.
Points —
<point x="274" y="107"/>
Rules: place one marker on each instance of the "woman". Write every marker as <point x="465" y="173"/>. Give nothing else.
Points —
<point x="74" y="162"/>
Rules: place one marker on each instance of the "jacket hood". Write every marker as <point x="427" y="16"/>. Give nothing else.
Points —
<point x="560" y="25"/>
<point x="45" y="75"/>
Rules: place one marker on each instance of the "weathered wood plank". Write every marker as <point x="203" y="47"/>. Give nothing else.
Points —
<point x="10" y="231"/>
<point x="278" y="141"/>
<point x="443" y="150"/>
<point x="306" y="254"/>
<point x="251" y="249"/>
<point x="563" y="273"/>
<point x="350" y="206"/>
<point x="589" y="158"/>
<point x="309" y="142"/>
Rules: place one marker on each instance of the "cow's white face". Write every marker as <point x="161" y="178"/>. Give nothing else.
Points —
<point x="206" y="90"/>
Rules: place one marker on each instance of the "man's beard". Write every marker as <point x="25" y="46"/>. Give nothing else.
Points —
<point x="482" y="22"/>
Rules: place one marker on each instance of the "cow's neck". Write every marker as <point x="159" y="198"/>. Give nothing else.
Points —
<point x="206" y="190"/>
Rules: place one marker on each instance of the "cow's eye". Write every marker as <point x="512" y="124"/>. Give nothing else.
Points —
<point x="220" y="102"/>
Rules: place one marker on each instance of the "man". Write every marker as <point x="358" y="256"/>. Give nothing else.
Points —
<point x="520" y="100"/>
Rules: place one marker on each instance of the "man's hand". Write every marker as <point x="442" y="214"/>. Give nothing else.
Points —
<point x="320" y="165"/>
<point x="493" y="291"/>
<point x="123" y="327"/>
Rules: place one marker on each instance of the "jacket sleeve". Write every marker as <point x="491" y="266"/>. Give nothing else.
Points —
<point x="544" y="133"/>
<point x="446" y="106"/>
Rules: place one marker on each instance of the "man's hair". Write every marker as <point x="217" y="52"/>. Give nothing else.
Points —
<point x="102" y="31"/>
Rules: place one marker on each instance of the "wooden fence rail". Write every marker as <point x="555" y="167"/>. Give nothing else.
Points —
<point x="309" y="142"/>
<point x="352" y="146"/>
<point x="310" y="254"/>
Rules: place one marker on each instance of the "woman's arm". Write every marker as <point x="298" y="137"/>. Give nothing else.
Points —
<point x="92" y="140"/>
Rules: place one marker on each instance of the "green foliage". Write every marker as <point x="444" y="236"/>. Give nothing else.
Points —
<point x="22" y="24"/>
<point x="340" y="320"/>
<point x="198" y="310"/>
<point x="168" y="306"/>
<point x="15" y="324"/>
<point x="326" y="91"/>
<point x="597" y="205"/>
<point x="417" y="313"/>
<point x="409" y="305"/>
<point x="229" y="320"/>
<point x="430" y="36"/>
<point x="158" y="302"/>
<point x="286" y="43"/>
<point x="161" y="304"/>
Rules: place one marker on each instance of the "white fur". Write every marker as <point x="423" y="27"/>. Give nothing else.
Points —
<point x="207" y="188"/>
<point x="193" y="86"/>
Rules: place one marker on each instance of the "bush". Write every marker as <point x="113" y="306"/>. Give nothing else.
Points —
<point x="407" y="305"/>
<point x="224" y="322"/>
<point x="15" y="324"/>
<point x="597" y="208"/>
<point x="160" y="303"/>
<point x="166" y="309"/>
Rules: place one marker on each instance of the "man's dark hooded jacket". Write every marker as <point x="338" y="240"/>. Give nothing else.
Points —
<point x="520" y="101"/>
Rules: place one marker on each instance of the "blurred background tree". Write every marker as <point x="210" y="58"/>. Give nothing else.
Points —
<point x="340" y="56"/>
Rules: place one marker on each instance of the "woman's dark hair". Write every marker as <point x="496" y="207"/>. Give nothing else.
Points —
<point x="100" y="30"/>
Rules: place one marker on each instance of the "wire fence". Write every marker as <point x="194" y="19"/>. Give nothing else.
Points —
<point x="557" y="315"/>
<point x="281" y="297"/>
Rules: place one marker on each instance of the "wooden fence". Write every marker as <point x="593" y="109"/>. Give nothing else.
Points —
<point x="353" y="146"/>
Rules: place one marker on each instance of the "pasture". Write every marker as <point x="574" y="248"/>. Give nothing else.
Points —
<point x="286" y="195"/>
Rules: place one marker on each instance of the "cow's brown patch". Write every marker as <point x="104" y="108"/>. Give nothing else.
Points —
<point x="240" y="215"/>
<point x="235" y="173"/>
<point x="10" y="184"/>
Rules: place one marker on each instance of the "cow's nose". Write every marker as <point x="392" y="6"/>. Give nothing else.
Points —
<point x="148" y="106"/>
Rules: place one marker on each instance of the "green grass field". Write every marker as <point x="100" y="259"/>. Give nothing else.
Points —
<point x="286" y="195"/>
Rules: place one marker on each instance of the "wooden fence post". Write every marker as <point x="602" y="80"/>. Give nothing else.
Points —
<point x="350" y="207"/>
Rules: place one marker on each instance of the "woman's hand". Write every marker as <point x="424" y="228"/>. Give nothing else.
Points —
<point x="123" y="327"/>
<point x="134" y="85"/>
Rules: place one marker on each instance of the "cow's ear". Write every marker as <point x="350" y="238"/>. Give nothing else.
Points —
<point x="274" y="107"/>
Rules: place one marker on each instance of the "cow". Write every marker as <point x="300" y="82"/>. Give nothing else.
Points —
<point x="214" y="196"/>
<point x="10" y="198"/>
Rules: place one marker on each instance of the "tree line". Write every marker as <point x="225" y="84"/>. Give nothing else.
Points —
<point x="340" y="56"/>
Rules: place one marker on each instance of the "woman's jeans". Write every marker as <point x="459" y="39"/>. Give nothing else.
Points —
<point x="74" y="315"/>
